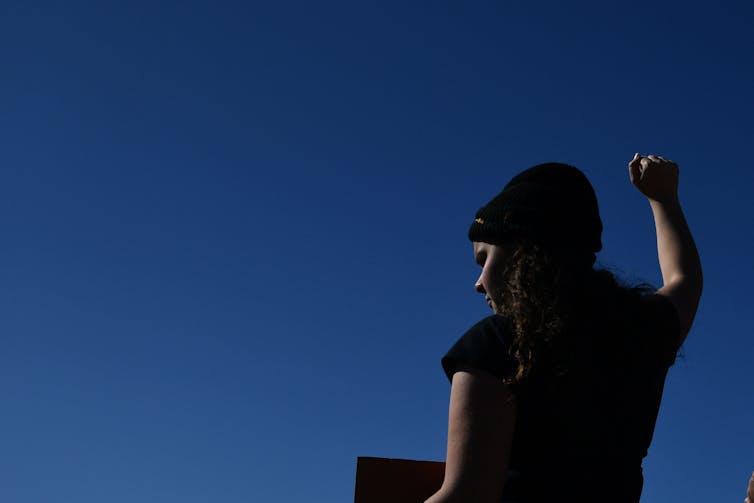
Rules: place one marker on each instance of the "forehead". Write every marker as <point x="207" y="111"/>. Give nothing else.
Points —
<point x="480" y="247"/>
<point x="490" y="249"/>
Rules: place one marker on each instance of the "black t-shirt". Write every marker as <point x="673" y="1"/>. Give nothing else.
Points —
<point x="581" y="436"/>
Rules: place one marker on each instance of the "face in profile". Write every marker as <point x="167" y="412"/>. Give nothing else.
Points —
<point x="494" y="260"/>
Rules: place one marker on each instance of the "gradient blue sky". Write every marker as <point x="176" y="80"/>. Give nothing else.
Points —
<point x="234" y="232"/>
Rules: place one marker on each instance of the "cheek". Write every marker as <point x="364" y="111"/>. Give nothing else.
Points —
<point x="487" y="278"/>
<point x="494" y="280"/>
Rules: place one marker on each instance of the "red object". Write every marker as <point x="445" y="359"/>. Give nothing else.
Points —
<point x="384" y="480"/>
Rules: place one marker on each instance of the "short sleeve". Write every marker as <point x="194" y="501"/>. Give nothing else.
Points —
<point x="484" y="346"/>
<point x="661" y="323"/>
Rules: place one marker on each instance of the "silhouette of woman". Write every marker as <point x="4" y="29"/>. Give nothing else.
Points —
<point x="555" y="396"/>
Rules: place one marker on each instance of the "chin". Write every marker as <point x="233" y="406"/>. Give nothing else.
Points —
<point x="497" y="309"/>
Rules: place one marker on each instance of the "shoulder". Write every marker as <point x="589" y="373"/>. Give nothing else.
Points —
<point x="484" y="346"/>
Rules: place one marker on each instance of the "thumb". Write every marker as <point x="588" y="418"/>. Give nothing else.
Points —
<point x="634" y="168"/>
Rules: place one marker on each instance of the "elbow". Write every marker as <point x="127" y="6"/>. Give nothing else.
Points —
<point x="690" y="284"/>
<point x="443" y="496"/>
<point x="457" y="494"/>
<point x="684" y="292"/>
<point x="690" y="277"/>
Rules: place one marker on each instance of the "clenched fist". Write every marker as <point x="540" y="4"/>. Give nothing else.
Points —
<point x="655" y="177"/>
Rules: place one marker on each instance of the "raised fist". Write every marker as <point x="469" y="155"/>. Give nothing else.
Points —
<point x="655" y="177"/>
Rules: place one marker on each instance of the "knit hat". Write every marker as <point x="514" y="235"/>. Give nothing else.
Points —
<point x="553" y="204"/>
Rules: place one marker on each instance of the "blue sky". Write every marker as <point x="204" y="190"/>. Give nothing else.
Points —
<point x="235" y="232"/>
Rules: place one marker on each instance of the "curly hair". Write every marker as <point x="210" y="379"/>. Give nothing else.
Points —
<point x="548" y="298"/>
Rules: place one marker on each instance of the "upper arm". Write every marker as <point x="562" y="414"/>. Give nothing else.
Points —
<point x="480" y="433"/>
<point x="684" y="294"/>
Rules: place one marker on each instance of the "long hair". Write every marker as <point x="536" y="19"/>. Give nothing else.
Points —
<point x="551" y="302"/>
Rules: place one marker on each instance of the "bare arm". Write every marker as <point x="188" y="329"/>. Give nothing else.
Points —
<point x="681" y="268"/>
<point x="480" y="433"/>
<point x="750" y="491"/>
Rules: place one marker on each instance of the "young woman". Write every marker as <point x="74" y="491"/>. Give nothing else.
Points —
<point x="554" y="397"/>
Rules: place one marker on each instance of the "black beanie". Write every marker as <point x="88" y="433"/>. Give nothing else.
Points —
<point x="553" y="204"/>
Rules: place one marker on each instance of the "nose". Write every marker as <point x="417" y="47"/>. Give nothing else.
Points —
<point x="478" y="286"/>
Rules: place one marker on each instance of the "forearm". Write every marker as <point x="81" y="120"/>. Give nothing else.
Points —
<point x="676" y="250"/>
